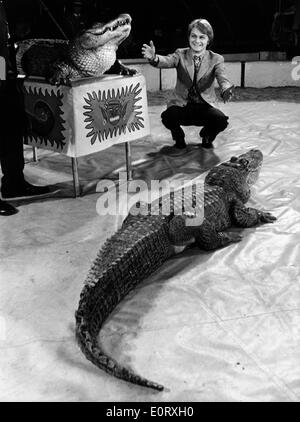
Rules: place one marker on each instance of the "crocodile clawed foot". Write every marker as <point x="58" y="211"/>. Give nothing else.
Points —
<point x="59" y="81"/>
<point x="233" y="237"/>
<point x="54" y="81"/>
<point x="266" y="217"/>
<point x="126" y="71"/>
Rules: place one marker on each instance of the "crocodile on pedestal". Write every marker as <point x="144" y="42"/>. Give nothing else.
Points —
<point x="148" y="239"/>
<point x="91" y="53"/>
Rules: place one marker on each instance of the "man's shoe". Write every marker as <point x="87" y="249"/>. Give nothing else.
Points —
<point x="7" y="209"/>
<point x="207" y="143"/>
<point x="26" y="189"/>
<point x="180" y="144"/>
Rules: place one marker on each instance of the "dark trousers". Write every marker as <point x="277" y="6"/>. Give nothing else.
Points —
<point x="12" y="123"/>
<point x="194" y="114"/>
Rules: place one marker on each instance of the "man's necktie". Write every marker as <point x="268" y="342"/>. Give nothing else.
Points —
<point x="193" y="96"/>
<point x="197" y="64"/>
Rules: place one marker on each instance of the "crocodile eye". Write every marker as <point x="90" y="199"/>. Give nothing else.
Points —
<point x="233" y="159"/>
<point x="244" y="162"/>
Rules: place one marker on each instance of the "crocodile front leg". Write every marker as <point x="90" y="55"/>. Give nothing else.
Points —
<point x="207" y="238"/>
<point x="204" y="235"/>
<point x="248" y="217"/>
<point x="119" y="69"/>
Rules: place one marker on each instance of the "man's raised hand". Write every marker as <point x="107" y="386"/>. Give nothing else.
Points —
<point x="148" y="51"/>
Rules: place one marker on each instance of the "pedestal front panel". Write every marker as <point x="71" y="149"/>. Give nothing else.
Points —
<point x="91" y="115"/>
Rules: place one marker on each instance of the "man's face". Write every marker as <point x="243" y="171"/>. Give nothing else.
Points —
<point x="198" y="41"/>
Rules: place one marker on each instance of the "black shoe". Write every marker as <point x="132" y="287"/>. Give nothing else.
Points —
<point x="26" y="189"/>
<point x="7" y="209"/>
<point x="180" y="144"/>
<point x="207" y="143"/>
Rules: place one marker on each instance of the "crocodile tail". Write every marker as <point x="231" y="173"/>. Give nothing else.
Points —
<point x="95" y="354"/>
<point x="126" y="259"/>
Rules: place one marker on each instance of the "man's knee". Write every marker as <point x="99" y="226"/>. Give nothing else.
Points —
<point x="169" y="116"/>
<point x="221" y="121"/>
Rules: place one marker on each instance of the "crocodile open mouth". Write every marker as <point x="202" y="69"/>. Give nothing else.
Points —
<point x="112" y="26"/>
<point x="122" y="22"/>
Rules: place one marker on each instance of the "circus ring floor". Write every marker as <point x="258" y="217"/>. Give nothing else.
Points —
<point x="218" y="326"/>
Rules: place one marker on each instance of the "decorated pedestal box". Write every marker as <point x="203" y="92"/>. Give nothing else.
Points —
<point x="90" y="115"/>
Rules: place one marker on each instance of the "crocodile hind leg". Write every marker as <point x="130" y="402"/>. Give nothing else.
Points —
<point x="179" y="234"/>
<point x="248" y="217"/>
<point x="204" y="236"/>
<point x="61" y="73"/>
<point x="208" y="238"/>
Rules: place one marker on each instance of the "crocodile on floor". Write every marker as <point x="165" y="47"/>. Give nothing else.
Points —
<point x="91" y="53"/>
<point x="148" y="239"/>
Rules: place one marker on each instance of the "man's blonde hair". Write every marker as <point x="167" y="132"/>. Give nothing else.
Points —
<point x="203" y="26"/>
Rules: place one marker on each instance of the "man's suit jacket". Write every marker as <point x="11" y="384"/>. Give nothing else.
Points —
<point x="212" y="66"/>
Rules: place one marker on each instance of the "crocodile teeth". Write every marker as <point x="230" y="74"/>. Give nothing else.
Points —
<point x="112" y="28"/>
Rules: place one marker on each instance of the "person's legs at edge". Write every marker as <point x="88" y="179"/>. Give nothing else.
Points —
<point x="13" y="183"/>
<point x="11" y="160"/>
